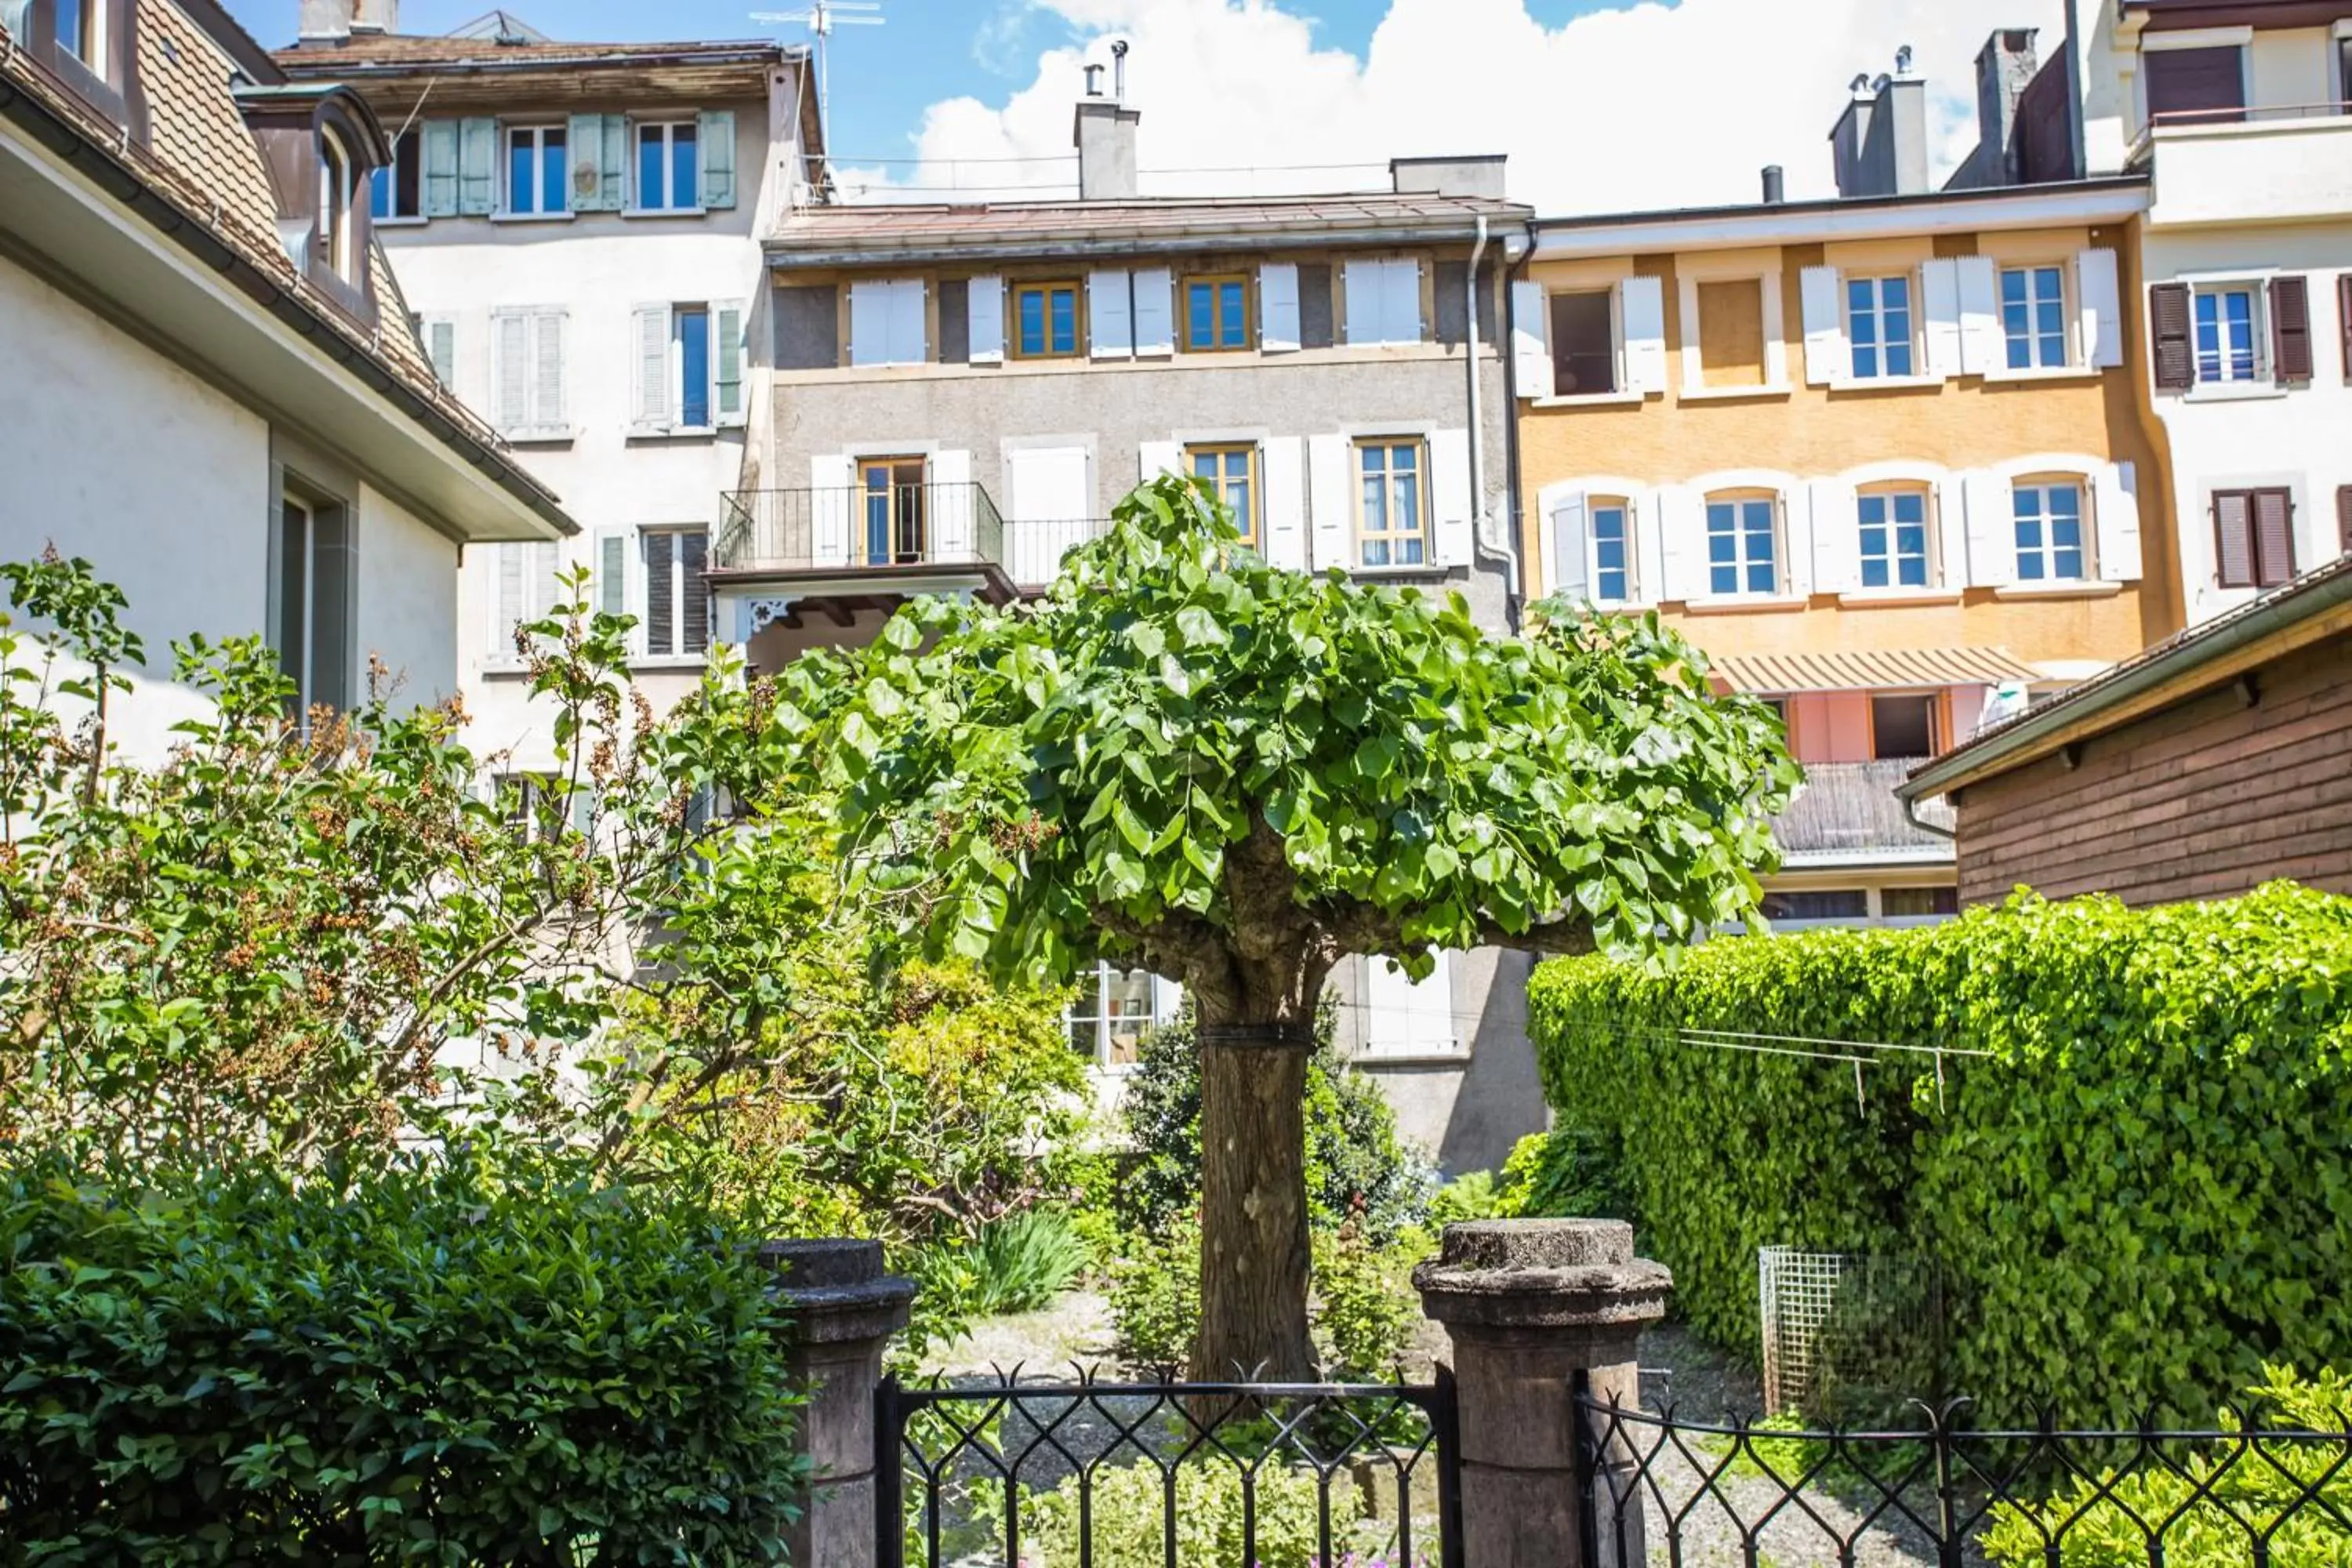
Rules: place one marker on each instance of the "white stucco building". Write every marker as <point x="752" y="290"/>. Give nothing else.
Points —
<point x="575" y="228"/>
<point x="214" y="393"/>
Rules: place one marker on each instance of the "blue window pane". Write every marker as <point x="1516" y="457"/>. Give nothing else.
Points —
<point x="1722" y="548"/>
<point x="1914" y="571"/>
<point x="380" y="193"/>
<point x="685" y="172"/>
<point x="554" y="190"/>
<point x="877" y="517"/>
<point x="649" y="166"/>
<point x="1197" y="316"/>
<point x="1898" y="349"/>
<point x="1866" y="362"/>
<point x="1760" y="579"/>
<point x="1723" y="578"/>
<point x="1064" y="303"/>
<point x="519" y="191"/>
<point x="1232" y="331"/>
<point x="1858" y="296"/>
<point x="2051" y="316"/>
<point x="1611" y="583"/>
<point x="2012" y="287"/>
<point x="694" y="367"/>
<point x="1031" y="313"/>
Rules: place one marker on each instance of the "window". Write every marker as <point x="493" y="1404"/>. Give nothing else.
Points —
<point x="1231" y="475"/>
<point x="526" y="591"/>
<point x="1107" y="1019"/>
<point x="81" y="31"/>
<point x="1408" y="1017"/>
<point x="527" y="376"/>
<point x="439" y="336"/>
<point x="2033" y="315"/>
<point x="1742" y="554"/>
<point x="1044" y="321"/>
<point x="895" y="496"/>
<point x="677" y="594"/>
<point x="667" y="171"/>
<point x="1878" y="323"/>
<point x="1903" y="728"/>
<point x="2225" y="334"/>
<point x="398" y="188"/>
<point x="2253" y="538"/>
<point x="888" y="322"/>
<point x="1919" y="904"/>
<point x="2049" y="532"/>
<point x="1388" y="519"/>
<point x="312" y="611"/>
<point x="337" y="244"/>
<point x="1611" y="524"/>
<point x="1383" y="301"/>
<point x="1731" y="334"/>
<point x="536" y="808"/>
<point x="1894" y="539"/>
<point x="536" y="181"/>
<point x="691" y="352"/>
<point x="2198" y="85"/>
<point x="1827" y="904"/>
<point x="1583" y="343"/>
<point x="1216" y="313"/>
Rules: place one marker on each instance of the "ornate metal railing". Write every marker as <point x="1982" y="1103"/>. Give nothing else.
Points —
<point x="1019" y="1475"/>
<point x="947" y="523"/>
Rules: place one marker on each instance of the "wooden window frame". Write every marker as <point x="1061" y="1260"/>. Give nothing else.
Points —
<point x="1184" y="286"/>
<point x="861" y="551"/>
<point x="1015" y="289"/>
<point x="2265" y="574"/>
<point x="1250" y="526"/>
<point x="538" y="131"/>
<point x="1934" y="568"/>
<point x="1741" y="565"/>
<point x="1939" y="718"/>
<point x="1911" y="343"/>
<point x="668" y="125"/>
<point x="2084" y="500"/>
<point x="1421" y="533"/>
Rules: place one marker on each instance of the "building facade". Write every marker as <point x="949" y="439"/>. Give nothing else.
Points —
<point x="214" y="390"/>
<point x="576" y="229"/>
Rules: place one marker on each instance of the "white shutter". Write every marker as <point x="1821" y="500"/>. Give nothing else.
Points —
<point x="1568" y="567"/>
<point x="1365" y="300"/>
<point x="1797" y="543"/>
<point x="1405" y="1018"/>
<point x="2098" y="296"/>
<point x="728" y="353"/>
<point x="1110" y="317"/>
<point x="547" y="371"/>
<point x="1530" y="355"/>
<point x="441" y="348"/>
<point x="1776" y="330"/>
<point x="1837" y="540"/>
<point x="1939" y="291"/>
<point x="1051" y="493"/>
<point x="1647" y="521"/>
<point x="512" y="604"/>
<point x="1644" y="304"/>
<point x="1400" y="302"/>
<point x="1981" y="349"/>
<point x="1682" y="531"/>
<point x="869" y="323"/>
<point x="1951" y="531"/>
<point x="909" y="334"/>
<point x="1450" y="497"/>
<point x="1155" y="313"/>
<point x="1284" y="460"/>
<point x="952" y="535"/>
<point x="1693" y="364"/>
<point x="834" y="481"/>
<point x="1277" y="307"/>
<point x="544" y="565"/>
<point x="1993" y="531"/>
<point x="2115" y="500"/>
<point x="510" y="367"/>
<point x="613" y="571"/>
<point x="986" y="316"/>
<point x="1158" y="457"/>
<point x="649" y="367"/>
<point x="1331" y="502"/>
<point x="1827" y="358"/>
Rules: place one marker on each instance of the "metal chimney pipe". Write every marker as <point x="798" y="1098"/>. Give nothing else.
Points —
<point x="1119" y="70"/>
<point x="1774" y="193"/>
<point x="1093" y="81"/>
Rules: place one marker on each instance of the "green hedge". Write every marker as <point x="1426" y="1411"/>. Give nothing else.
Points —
<point x="2143" y="1194"/>
<point x="442" y="1364"/>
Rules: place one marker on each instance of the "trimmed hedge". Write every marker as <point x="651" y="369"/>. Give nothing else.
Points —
<point x="2141" y="1195"/>
<point x="438" y="1363"/>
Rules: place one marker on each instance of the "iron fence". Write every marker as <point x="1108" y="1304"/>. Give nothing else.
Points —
<point x="930" y="523"/>
<point x="1941" y="1491"/>
<point x="1008" y="1474"/>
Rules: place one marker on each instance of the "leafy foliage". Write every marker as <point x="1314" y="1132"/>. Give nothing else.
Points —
<point x="1155" y="1295"/>
<point x="456" y="1361"/>
<point x="1019" y="1264"/>
<point x="1367" y="1307"/>
<point x="2134" y="1200"/>
<point x="1569" y="1173"/>
<point x="1128" y="1505"/>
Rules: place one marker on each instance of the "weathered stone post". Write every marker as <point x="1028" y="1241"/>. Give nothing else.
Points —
<point x="1528" y="1304"/>
<point x="844" y="1309"/>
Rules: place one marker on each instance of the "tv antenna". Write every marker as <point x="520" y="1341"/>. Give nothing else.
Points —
<point x="820" y="18"/>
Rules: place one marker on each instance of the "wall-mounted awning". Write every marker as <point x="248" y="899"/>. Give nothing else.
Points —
<point x="1885" y="670"/>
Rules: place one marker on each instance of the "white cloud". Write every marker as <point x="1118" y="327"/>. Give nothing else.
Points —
<point x="1645" y="106"/>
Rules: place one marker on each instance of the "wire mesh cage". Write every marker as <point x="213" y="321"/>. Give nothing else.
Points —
<point x="1844" y="1333"/>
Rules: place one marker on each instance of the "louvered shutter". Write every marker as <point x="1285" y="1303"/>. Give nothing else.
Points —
<point x="440" y="143"/>
<point x="583" y="140"/>
<point x="1155" y="313"/>
<point x="984" y="319"/>
<point x="2115" y="501"/>
<point x="649" y="367"/>
<point x="477" y="166"/>
<point x="1286" y="502"/>
<point x="1982" y="348"/>
<point x="1940" y="296"/>
<point x="714" y="142"/>
<point x="441" y="348"/>
<point x="1644" y="302"/>
<point x="509" y="370"/>
<point x="547" y="371"/>
<point x="613" y="572"/>
<point x="727" y="364"/>
<point x="1993" y="531"/>
<point x="1570" y="563"/>
<point x="1530" y="356"/>
<point x="661" y="581"/>
<point x="2234" y="538"/>
<point x="1827" y="358"/>
<point x="2274" y="537"/>
<point x="2291" y="359"/>
<point x="1329" y="499"/>
<point x="694" y="589"/>
<point x="2099" y="297"/>
<point x="2167" y="316"/>
<point x="1277" y="307"/>
<point x="1450" y="496"/>
<point x="2343" y="518"/>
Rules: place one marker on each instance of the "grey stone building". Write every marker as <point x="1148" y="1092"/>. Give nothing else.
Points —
<point x="960" y="393"/>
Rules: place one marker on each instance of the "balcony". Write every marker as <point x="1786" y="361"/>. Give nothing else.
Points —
<point x="1846" y="813"/>
<point x="2269" y="163"/>
<point x="927" y="537"/>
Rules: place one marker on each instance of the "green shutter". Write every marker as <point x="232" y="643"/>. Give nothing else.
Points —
<point x="584" y="146"/>
<point x="478" y="167"/>
<point x="613" y="149"/>
<point x="730" y="361"/>
<point x="440" y="168"/>
<point x="714" y="137"/>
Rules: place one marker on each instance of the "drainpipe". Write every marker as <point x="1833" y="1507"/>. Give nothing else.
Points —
<point x="1911" y="814"/>
<point x="1482" y="521"/>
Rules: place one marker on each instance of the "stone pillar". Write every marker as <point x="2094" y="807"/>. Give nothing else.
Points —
<point x="1529" y="1304"/>
<point x="843" y="1309"/>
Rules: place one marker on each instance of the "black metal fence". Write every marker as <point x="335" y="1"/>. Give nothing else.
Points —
<point x="1657" y="1488"/>
<point x="1235" y="1475"/>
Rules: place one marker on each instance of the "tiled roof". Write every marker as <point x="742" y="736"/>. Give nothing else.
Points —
<point x="1850" y="811"/>
<point x="817" y="229"/>
<point x="420" y="49"/>
<point x="1841" y="669"/>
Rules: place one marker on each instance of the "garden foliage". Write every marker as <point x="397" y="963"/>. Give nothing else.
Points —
<point x="455" y="1362"/>
<point x="2140" y="1194"/>
<point x="1129" y="1506"/>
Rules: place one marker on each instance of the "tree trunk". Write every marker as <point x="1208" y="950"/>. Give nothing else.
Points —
<point x="1253" y="1246"/>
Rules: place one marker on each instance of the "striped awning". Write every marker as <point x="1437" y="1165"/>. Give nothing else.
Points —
<point x="1843" y="670"/>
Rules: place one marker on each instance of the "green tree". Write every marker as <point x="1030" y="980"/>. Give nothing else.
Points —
<point x="1236" y="775"/>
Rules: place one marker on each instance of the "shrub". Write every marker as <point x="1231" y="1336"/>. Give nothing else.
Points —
<point x="1026" y="1259"/>
<point x="440" y="1362"/>
<point x="1569" y="1173"/>
<point x="1365" y="1306"/>
<point x="1473" y="1194"/>
<point x="1155" y="1297"/>
<point x="1127" y="1511"/>
<point x="2134" y="1198"/>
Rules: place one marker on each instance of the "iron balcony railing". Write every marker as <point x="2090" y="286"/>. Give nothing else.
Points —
<point x="1033" y="547"/>
<point x="852" y="528"/>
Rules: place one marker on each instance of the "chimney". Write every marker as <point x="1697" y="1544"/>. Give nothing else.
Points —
<point x="375" y="17"/>
<point x="1775" y="191"/>
<point x="1105" y="138"/>
<point x="1880" y="144"/>
<point x="323" y="22"/>
<point x="2005" y="68"/>
<point x="1469" y="174"/>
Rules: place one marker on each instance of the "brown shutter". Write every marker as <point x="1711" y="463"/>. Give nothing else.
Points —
<point x="2233" y="539"/>
<point x="2274" y="537"/>
<point x="2168" y="311"/>
<point x="2290" y="330"/>
<point x="2344" y="309"/>
<point x="2344" y="517"/>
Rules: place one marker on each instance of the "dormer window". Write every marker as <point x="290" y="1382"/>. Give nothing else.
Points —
<point x="337" y="243"/>
<point x="81" y="32"/>
<point x="399" y="186"/>
<point x="668" y="172"/>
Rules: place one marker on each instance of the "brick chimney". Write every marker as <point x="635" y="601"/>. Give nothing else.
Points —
<point x="375" y="17"/>
<point x="1880" y="142"/>
<point x="2005" y="68"/>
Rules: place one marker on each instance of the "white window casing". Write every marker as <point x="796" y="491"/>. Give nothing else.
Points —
<point x="1693" y="368"/>
<point x="649" y="368"/>
<point x="1951" y="568"/>
<point x="1405" y="1018"/>
<point x="1531" y="353"/>
<point x="985" y="297"/>
<point x="1155" y="313"/>
<point x="1827" y="358"/>
<point x="1776" y="330"/>
<point x="1156" y="457"/>
<point x="1330" y="498"/>
<point x="1568" y="550"/>
<point x="1284" y="460"/>
<point x="1939" y="292"/>
<point x="2098" y="299"/>
<point x="1451" y="503"/>
<point x="833" y="478"/>
<point x="1110" y="317"/>
<point x="953" y="533"/>
<point x="1277" y="307"/>
<point x="1642" y="300"/>
<point x="1983" y="349"/>
<point x="1682" y="527"/>
<point x="1993" y="529"/>
<point x="2115" y="506"/>
<point x="1834" y="507"/>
